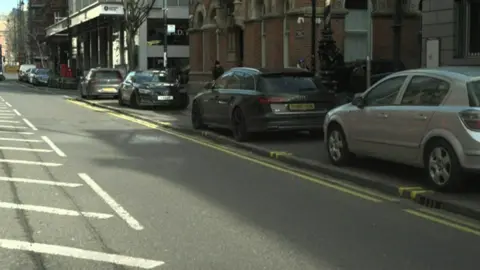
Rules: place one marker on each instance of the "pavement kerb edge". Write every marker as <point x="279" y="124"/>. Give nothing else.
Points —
<point x="427" y="200"/>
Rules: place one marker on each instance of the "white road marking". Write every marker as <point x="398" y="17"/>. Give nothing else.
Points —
<point x="17" y="132"/>
<point x="29" y="124"/>
<point x="53" y="210"/>
<point x="18" y="140"/>
<point x="53" y="146"/>
<point x="14" y="127"/>
<point x="7" y="114"/>
<point x="17" y="112"/>
<point x="25" y="149"/>
<point x="8" y="104"/>
<point x="41" y="182"/>
<point x="7" y="117"/>
<point x="5" y="110"/>
<point x="9" y="121"/>
<point x="80" y="254"/>
<point x="26" y="162"/>
<point x="131" y="221"/>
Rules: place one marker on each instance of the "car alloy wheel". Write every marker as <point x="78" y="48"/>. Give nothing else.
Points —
<point x="335" y="145"/>
<point x="442" y="166"/>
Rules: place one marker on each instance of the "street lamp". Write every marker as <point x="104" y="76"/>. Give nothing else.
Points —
<point x="328" y="52"/>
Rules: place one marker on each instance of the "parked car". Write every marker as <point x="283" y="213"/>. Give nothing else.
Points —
<point x="30" y="74"/>
<point x="100" y="82"/>
<point x="40" y="76"/>
<point x="152" y="88"/>
<point x="248" y="100"/>
<point x="429" y="118"/>
<point x="22" y="72"/>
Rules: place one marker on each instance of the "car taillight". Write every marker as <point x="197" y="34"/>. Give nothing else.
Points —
<point x="271" y="100"/>
<point x="471" y="118"/>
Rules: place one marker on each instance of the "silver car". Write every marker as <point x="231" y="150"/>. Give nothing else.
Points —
<point x="428" y="118"/>
<point x="100" y="82"/>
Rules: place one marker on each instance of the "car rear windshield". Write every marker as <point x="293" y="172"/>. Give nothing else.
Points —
<point x="42" y="71"/>
<point x="473" y="89"/>
<point x="151" y="77"/>
<point x="107" y="74"/>
<point x="289" y="84"/>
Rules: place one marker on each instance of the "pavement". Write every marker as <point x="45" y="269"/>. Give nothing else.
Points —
<point x="83" y="187"/>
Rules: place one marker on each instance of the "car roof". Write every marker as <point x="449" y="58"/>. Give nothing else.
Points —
<point x="104" y="69"/>
<point x="271" y="71"/>
<point x="461" y="73"/>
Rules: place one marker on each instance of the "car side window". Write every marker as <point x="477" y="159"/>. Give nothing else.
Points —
<point x="235" y="81"/>
<point x="221" y="82"/>
<point x="386" y="92"/>
<point x="425" y="91"/>
<point x="247" y="81"/>
<point x="129" y="76"/>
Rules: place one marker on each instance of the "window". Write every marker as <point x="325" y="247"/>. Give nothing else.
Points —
<point x="385" y="93"/>
<point x="235" y="81"/>
<point x="291" y="84"/>
<point x="221" y="82"/>
<point x="247" y="81"/>
<point x="231" y="41"/>
<point x="150" y="77"/>
<point x="467" y="22"/>
<point x="156" y="30"/>
<point x="129" y="76"/>
<point x="425" y="91"/>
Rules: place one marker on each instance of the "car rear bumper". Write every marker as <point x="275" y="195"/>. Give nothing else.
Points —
<point x="103" y="93"/>
<point x="287" y="123"/>
<point x="153" y="100"/>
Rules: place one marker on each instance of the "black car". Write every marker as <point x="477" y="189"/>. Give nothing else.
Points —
<point x="152" y="88"/>
<point x="248" y="100"/>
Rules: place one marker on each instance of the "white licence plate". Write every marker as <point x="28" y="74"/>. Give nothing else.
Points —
<point x="165" y="97"/>
<point x="109" y="90"/>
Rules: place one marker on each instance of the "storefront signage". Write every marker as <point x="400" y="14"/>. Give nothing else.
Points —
<point x="111" y="10"/>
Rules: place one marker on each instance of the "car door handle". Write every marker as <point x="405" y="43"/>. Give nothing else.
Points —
<point x="421" y="117"/>
<point x="382" y="115"/>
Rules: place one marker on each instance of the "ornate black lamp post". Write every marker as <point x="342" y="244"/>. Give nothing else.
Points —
<point x="328" y="53"/>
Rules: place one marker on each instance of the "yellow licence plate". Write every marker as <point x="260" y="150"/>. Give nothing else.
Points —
<point x="302" y="107"/>
<point x="109" y="90"/>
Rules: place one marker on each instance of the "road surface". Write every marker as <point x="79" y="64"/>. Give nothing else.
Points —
<point x="84" y="188"/>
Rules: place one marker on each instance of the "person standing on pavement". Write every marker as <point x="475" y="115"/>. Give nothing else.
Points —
<point x="217" y="70"/>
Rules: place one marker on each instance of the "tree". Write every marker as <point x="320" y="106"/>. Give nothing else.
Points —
<point x="13" y="37"/>
<point x="35" y="39"/>
<point x="135" y="14"/>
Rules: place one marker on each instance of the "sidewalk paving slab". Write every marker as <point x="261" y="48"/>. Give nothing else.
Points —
<point x="407" y="183"/>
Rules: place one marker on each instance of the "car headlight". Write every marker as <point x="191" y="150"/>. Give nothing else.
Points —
<point x="144" y="91"/>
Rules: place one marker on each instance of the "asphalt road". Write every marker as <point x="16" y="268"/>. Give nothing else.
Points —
<point x="162" y="200"/>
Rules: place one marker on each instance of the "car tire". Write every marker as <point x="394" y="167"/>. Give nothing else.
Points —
<point x="337" y="146"/>
<point x="442" y="166"/>
<point x="134" y="100"/>
<point x="120" y="100"/>
<point x="197" y="117"/>
<point x="80" y="92"/>
<point x="239" y="126"/>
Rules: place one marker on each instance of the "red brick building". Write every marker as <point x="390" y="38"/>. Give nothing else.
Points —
<point x="276" y="33"/>
<point x="41" y="14"/>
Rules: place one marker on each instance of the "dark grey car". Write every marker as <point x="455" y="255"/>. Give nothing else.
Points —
<point x="152" y="88"/>
<point x="100" y="82"/>
<point x="248" y="100"/>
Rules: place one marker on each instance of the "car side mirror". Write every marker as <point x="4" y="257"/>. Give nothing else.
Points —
<point x="358" y="101"/>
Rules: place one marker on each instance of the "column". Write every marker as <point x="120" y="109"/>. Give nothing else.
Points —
<point x="87" y="51"/>
<point x="143" y="46"/>
<point x="103" y="47"/>
<point x="110" y="46"/>
<point x="122" y="44"/>
<point x="94" y="46"/>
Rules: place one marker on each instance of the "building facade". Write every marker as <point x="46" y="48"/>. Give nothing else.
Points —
<point x="276" y="33"/>
<point x="97" y="32"/>
<point x="449" y="36"/>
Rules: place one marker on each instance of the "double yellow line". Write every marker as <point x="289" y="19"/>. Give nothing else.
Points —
<point x="447" y="220"/>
